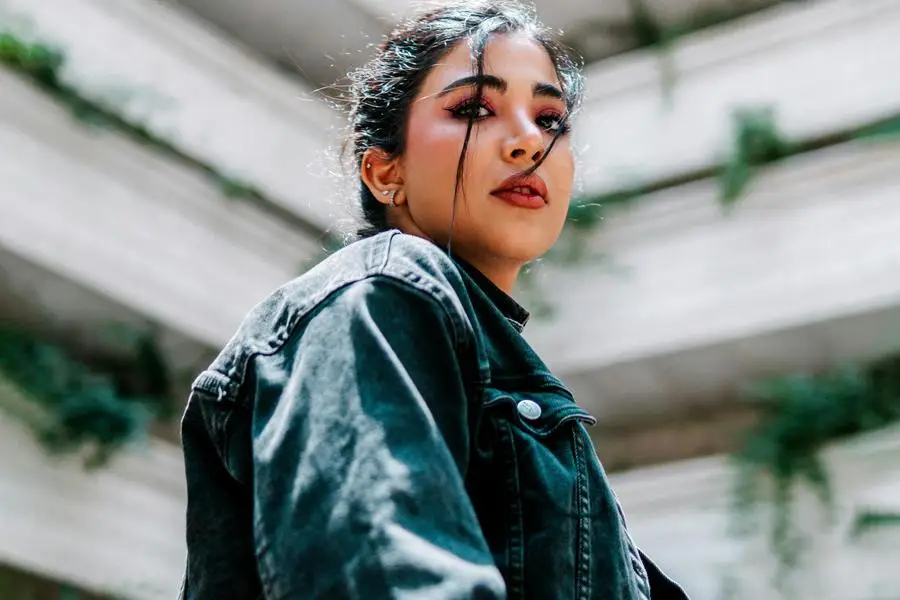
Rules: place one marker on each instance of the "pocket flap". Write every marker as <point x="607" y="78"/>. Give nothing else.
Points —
<point x="540" y="412"/>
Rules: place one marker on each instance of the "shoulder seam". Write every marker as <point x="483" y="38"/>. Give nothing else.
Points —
<point x="457" y="324"/>
<point x="229" y="377"/>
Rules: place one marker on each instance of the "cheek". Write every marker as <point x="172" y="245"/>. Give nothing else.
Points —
<point x="433" y="146"/>
<point x="561" y="165"/>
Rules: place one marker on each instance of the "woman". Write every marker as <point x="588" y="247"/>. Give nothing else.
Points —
<point x="378" y="428"/>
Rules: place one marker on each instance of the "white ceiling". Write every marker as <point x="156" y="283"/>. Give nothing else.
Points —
<point x="323" y="40"/>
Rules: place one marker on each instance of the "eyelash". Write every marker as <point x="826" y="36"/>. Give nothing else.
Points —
<point x="463" y="109"/>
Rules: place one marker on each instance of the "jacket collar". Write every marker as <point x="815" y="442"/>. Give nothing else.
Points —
<point x="514" y="312"/>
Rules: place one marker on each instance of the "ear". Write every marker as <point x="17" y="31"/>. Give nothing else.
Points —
<point x="381" y="173"/>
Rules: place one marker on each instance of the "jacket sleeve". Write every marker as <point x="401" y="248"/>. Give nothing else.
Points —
<point x="360" y="445"/>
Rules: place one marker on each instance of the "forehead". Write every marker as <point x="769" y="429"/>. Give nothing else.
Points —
<point x="515" y="57"/>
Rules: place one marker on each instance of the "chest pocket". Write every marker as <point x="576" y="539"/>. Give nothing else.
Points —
<point x="547" y="510"/>
<point x="538" y="431"/>
<point x="532" y="490"/>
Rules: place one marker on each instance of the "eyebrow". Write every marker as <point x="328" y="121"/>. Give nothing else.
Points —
<point x="547" y="90"/>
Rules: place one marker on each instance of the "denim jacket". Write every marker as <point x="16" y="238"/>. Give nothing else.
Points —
<point x="379" y="429"/>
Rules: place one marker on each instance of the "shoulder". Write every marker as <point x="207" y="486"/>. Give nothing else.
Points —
<point x="415" y="264"/>
<point x="412" y="268"/>
<point x="423" y="265"/>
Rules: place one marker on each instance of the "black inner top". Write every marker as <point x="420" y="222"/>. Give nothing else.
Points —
<point x="511" y="309"/>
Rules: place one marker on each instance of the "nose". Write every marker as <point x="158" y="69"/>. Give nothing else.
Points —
<point x="525" y="144"/>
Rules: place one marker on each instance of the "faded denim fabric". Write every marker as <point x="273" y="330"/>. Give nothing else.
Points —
<point x="379" y="429"/>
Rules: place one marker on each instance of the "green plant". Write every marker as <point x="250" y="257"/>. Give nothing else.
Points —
<point x="887" y="130"/>
<point x="39" y="61"/>
<point x="802" y="413"/>
<point x="869" y="520"/>
<point x="42" y="64"/>
<point x="72" y="407"/>
<point x="756" y="141"/>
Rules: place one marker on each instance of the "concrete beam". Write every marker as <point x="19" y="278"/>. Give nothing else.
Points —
<point x="195" y="88"/>
<point x="134" y="226"/>
<point x="823" y="67"/>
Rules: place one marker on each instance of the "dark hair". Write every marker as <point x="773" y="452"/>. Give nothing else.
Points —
<point x="382" y="90"/>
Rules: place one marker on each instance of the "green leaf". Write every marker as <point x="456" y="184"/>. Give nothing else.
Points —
<point x="867" y="521"/>
<point x="756" y="141"/>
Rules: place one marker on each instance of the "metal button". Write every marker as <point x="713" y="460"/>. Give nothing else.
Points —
<point x="529" y="409"/>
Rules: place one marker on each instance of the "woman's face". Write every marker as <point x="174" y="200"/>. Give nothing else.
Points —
<point x="520" y="112"/>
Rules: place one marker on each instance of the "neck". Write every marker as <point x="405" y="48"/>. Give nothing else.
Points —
<point x="502" y="273"/>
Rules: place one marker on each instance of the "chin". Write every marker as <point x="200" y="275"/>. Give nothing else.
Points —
<point x="522" y="247"/>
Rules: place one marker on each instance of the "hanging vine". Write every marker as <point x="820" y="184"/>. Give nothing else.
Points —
<point x="73" y="408"/>
<point x="756" y="141"/>
<point x="803" y="413"/>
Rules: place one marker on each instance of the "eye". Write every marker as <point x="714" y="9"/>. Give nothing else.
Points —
<point x="552" y="122"/>
<point x="471" y="109"/>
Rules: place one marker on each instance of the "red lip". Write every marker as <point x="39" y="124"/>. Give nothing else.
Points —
<point x="527" y="191"/>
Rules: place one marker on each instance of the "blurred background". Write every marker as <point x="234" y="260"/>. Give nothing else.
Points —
<point x="725" y="298"/>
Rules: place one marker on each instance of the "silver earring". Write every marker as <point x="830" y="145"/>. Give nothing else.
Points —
<point x="392" y="193"/>
<point x="368" y="165"/>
